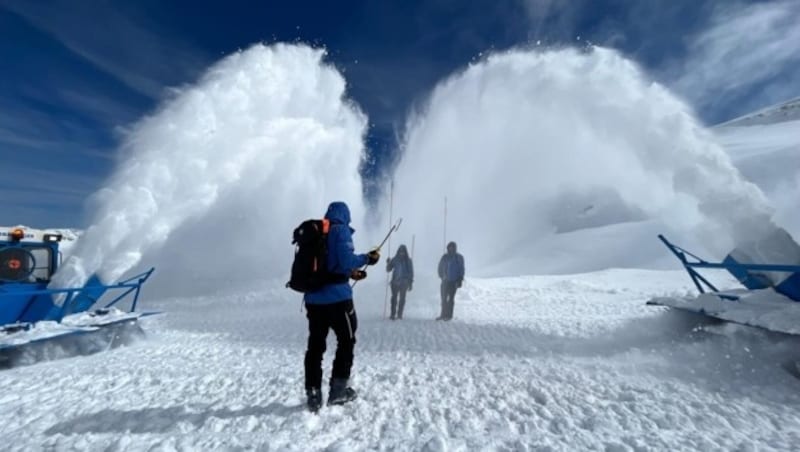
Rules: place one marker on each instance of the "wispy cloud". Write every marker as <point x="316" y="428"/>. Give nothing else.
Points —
<point x="58" y="124"/>
<point x="753" y="47"/>
<point x="43" y="197"/>
<point x="49" y="166"/>
<point x="67" y="184"/>
<point x="23" y="129"/>
<point x="727" y="57"/>
<point x="122" y="44"/>
<point x="551" y="19"/>
<point x="107" y="111"/>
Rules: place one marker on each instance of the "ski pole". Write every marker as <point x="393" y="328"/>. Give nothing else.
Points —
<point x="378" y="248"/>
<point x="391" y="221"/>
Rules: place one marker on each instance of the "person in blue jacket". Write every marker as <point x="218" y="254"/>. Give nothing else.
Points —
<point x="402" y="279"/>
<point x="451" y="272"/>
<point x="331" y="308"/>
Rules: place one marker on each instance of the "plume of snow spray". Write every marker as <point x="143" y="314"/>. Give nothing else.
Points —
<point x="211" y="185"/>
<point x="528" y="143"/>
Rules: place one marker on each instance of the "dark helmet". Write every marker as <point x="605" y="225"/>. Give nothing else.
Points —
<point x="451" y="247"/>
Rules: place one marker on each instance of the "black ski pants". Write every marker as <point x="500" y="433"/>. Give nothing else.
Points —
<point x="398" y="292"/>
<point x="341" y="318"/>
<point x="448" y="298"/>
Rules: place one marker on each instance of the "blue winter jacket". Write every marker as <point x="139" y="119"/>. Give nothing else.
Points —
<point x="402" y="269"/>
<point x="451" y="267"/>
<point x="341" y="258"/>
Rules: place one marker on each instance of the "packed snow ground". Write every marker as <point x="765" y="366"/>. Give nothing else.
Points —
<point x="529" y="363"/>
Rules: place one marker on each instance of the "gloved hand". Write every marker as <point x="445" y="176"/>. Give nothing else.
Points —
<point x="458" y="283"/>
<point x="358" y="275"/>
<point x="373" y="257"/>
<point x="410" y="286"/>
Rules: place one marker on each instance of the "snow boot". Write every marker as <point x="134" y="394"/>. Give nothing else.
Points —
<point x="341" y="393"/>
<point x="314" y="399"/>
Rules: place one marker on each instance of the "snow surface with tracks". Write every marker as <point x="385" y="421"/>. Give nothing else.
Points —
<point x="529" y="363"/>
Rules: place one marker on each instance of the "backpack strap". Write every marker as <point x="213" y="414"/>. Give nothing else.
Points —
<point x="332" y="278"/>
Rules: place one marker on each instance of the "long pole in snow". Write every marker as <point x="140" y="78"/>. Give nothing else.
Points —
<point x="391" y="222"/>
<point x="444" y="231"/>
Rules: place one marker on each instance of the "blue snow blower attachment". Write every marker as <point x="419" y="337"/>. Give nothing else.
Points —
<point x="30" y="312"/>
<point x="771" y="292"/>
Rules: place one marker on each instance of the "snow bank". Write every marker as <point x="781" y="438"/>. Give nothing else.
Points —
<point x="211" y="185"/>
<point x="528" y="141"/>
<point x="774" y="114"/>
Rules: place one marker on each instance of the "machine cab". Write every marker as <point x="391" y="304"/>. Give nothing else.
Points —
<point x="28" y="260"/>
<point x="28" y="256"/>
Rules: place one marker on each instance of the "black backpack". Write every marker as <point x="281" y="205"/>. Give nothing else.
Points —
<point x="310" y="266"/>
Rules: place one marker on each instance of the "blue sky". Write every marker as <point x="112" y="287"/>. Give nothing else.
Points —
<point x="73" y="74"/>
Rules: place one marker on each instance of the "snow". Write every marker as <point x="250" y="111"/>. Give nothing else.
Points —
<point x="529" y="143"/>
<point x="111" y="315"/>
<point x="83" y="322"/>
<point x="572" y="362"/>
<point x="69" y="238"/>
<point x="767" y="154"/>
<point x="761" y="308"/>
<point x="774" y="114"/>
<point x="216" y="161"/>
<point x="41" y="331"/>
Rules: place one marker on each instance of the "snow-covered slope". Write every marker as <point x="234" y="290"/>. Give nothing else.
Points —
<point x="529" y="363"/>
<point x="784" y="111"/>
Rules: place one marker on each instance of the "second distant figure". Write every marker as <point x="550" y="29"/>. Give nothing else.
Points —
<point x="402" y="279"/>
<point x="451" y="272"/>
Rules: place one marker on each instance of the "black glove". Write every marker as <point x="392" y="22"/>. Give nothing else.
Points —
<point x="410" y="285"/>
<point x="373" y="257"/>
<point x="458" y="283"/>
<point x="358" y="275"/>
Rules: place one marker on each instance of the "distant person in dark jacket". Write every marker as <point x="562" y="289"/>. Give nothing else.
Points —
<point x="331" y="307"/>
<point x="402" y="279"/>
<point x="451" y="272"/>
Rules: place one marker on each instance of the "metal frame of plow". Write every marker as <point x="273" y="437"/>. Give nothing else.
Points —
<point x="132" y="284"/>
<point x="11" y="344"/>
<point x="697" y="278"/>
